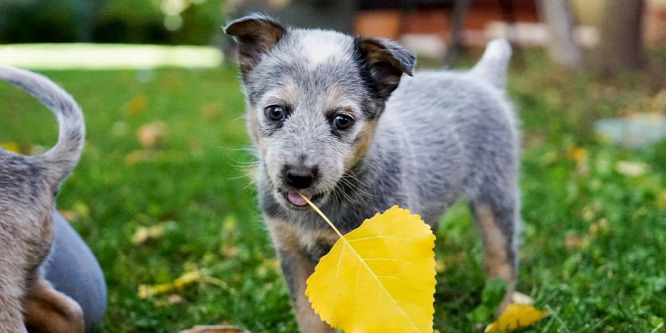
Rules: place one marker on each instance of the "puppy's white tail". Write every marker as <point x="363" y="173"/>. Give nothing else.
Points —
<point x="61" y="159"/>
<point x="493" y="65"/>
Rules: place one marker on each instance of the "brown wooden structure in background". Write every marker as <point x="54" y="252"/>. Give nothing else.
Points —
<point x="392" y="18"/>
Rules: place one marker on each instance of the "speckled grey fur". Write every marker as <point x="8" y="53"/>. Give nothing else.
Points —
<point x="28" y="185"/>
<point x="441" y="136"/>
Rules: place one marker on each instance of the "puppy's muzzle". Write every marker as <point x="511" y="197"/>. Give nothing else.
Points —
<point x="299" y="180"/>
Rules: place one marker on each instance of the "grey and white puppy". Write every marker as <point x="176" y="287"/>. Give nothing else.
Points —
<point x="28" y="185"/>
<point x="328" y="120"/>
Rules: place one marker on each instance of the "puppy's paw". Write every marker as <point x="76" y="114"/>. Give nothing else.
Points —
<point x="50" y="311"/>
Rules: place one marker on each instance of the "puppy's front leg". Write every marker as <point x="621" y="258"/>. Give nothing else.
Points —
<point x="296" y="267"/>
<point x="47" y="310"/>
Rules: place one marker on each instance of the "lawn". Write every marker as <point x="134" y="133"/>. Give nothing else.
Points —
<point x="594" y="238"/>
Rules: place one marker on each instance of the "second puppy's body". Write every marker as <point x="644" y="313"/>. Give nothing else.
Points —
<point x="320" y="115"/>
<point x="28" y="185"/>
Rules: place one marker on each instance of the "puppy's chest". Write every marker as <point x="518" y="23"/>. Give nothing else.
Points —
<point x="289" y="237"/>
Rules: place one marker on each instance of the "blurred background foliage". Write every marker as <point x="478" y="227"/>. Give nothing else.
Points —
<point x="194" y="22"/>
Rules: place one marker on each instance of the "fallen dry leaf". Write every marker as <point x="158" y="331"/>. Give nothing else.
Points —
<point x="170" y="300"/>
<point x="516" y="316"/>
<point x="188" y="278"/>
<point x="175" y="299"/>
<point x="143" y="234"/>
<point x="578" y="154"/>
<point x="582" y="242"/>
<point x="214" y="329"/>
<point x="573" y="241"/>
<point x="137" y="104"/>
<point x="151" y="134"/>
<point x="520" y="298"/>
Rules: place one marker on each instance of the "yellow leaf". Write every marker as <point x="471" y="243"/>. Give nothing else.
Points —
<point x="137" y="104"/>
<point x="516" y="316"/>
<point x="378" y="278"/>
<point x="146" y="291"/>
<point x="578" y="154"/>
<point x="10" y="146"/>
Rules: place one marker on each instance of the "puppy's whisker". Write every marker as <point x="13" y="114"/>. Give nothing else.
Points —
<point x="357" y="188"/>
<point x="349" y="196"/>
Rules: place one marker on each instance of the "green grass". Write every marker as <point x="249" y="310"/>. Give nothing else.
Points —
<point x="611" y="276"/>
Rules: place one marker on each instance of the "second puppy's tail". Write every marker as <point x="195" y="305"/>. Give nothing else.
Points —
<point x="63" y="157"/>
<point x="493" y="65"/>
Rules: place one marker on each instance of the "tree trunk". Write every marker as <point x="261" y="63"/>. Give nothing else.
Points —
<point x="562" y="46"/>
<point x="458" y="16"/>
<point x="621" y="44"/>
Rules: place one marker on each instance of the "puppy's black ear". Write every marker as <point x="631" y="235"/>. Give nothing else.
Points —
<point x="382" y="63"/>
<point x="255" y="34"/>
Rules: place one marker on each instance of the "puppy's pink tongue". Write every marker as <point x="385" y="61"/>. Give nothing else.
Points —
<point x="296" y="199"/>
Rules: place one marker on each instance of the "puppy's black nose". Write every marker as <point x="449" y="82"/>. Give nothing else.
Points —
<point x="300" y="178"/>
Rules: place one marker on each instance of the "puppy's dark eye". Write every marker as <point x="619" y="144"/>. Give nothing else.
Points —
<point x="342" y="122"/>
<point x="275" y="113"/>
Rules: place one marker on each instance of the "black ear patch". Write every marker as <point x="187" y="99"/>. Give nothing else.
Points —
<point x="382" y="63"/>
<point x="255" y="34"/>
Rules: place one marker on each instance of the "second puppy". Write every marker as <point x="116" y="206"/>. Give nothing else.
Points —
<point x="28" y="185"/>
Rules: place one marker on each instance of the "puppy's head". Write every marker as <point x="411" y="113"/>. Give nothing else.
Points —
<point x="313" y="100"/>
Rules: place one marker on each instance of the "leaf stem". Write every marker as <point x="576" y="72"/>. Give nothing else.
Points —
<point x="316" y="209"/>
